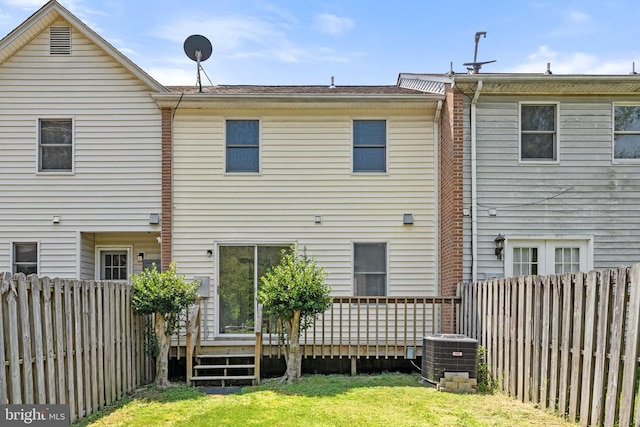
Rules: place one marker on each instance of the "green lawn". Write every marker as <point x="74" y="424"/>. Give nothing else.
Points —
<point x="331" y="400"/>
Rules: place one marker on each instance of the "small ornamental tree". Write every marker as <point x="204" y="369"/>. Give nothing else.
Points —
<point x="295" y="292"/>
<point x="166" y="295"/>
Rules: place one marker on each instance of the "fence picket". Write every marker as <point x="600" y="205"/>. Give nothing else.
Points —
<point x="40" y="394"/>
<point x="565" y="349"/>
<point x="48" y="341"/>
<point x="25" y="331"/>
<point x="59" y="342"/>
<point x="14" y="345"/>
<point x="527" y="295"/>
<point x="627" y="398"/>
<point x="499" y="374"/>
<point x="615" y="373"/>
<point x="545" y="354"/>
<point x="587" y="356"/>
<point x="602" y="342"/>
<point x="537" y="330"/>
<point x="576" y="357"/>
<point x="4" y="386"/>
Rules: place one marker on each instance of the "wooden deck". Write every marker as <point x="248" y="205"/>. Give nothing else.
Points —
<point x="353" y="327"/>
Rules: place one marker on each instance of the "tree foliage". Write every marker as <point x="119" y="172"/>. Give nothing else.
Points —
<point x="295" y="292"/>
<point x="165" y="294"/>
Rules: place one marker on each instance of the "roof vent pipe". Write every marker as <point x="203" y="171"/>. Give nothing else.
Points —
<point x="633" y="69"/>
<point x="548" y="72"/>
<point x="333" y="86"/>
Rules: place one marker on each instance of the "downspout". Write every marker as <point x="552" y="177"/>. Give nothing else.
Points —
<point x="436" y="199"/>
<point x="474" y="186"/>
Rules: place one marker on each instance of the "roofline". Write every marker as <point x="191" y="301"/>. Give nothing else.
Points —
<point x="54" y="6"/>
<point x="196" y="100"/>
<point x="520" y="78"/>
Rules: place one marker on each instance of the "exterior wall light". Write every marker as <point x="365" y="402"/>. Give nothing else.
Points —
<point x="499" y="241"/>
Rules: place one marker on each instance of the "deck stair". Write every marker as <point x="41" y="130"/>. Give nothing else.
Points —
<point x="224" y="369"/>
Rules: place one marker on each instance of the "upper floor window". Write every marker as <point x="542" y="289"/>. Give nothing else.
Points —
<point x="626" y="134"/>
<point x="370" y="269"/>
<point x="243" y="145"/>
<point x="55" y="145"/>
<point x="538" y="133"/>
<point x="25" y="258"/>
<point x="369" y="146"/>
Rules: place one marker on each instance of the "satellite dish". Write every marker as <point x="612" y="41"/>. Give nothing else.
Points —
<point x="197" y="43"/>
<point x="198" y="48"/>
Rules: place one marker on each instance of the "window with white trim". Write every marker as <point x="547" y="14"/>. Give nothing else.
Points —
<point x="543" y="257"/>
<point x="369" y="145"/>
<point x="25" y="258"/>
<point x="538" y="133"/>
<point x="55" y="145"/>
<point x="370" y="269"/>
<point x="626" y="132"/>
<point x="243" y="145"/>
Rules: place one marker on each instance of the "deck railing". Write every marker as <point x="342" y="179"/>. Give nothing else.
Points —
<point x="358" y="327"/>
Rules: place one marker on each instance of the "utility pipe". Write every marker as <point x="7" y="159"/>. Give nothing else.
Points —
<point x="436" y="186"/>
<point x="474" y="186"/>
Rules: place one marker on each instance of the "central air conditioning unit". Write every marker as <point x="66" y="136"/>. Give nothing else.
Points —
<point x="448" y="353"/>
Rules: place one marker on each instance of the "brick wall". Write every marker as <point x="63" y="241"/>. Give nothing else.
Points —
<point x="451" y="186"/>
<point x="166" y="187"/>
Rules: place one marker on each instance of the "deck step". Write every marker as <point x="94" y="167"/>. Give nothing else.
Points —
<point x="224" y="378"/>
<point x="224" y="356"/>
<point x="247" y="366"/>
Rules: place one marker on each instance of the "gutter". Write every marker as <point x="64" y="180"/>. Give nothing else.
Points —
<point x="474" y="185"/>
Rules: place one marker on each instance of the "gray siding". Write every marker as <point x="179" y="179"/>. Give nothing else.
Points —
<point x="584" y="194"/>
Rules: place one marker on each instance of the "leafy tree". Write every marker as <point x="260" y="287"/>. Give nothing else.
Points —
<point x="295" y="292"/>
<point x="166" y="295"/>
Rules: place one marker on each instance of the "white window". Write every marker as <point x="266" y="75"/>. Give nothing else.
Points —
<point x="526" y="257"/>
<point x="55" y="145"/>
<point x="538" y="133"/>
<point x="25" y="258"/>
<point x="369" y="145"/>
<point x="626" y="132"/>
<point x="370" y="269"/>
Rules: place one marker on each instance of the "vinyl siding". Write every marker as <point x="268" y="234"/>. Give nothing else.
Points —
<point x="306" y="171"/>
<point x="585" y="194"/>
<point x="116" y="180"/>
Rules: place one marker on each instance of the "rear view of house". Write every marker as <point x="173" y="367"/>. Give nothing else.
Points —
<point x="81" y="149"/>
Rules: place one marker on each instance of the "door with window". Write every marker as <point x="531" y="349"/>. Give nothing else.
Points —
<point x="544" y="257"/>
<point x="239" y="270"/>
<point x="114" y="265"/>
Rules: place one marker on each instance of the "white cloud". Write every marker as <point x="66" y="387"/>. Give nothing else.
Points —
<point x="242" y="37"/>
<point x="25" y="4"/>
<point x="571" y="63"/>
<point x="333" y="25"/>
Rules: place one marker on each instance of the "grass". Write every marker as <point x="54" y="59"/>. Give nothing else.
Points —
<point x="323" y="400"/>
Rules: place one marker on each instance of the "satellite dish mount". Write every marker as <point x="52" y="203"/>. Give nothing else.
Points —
<point x="198" y="48"/>
<point x="474" y="67"/>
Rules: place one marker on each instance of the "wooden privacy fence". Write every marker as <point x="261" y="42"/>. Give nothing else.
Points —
<point x="568" y="343"/>
<point x="69" y="342"/>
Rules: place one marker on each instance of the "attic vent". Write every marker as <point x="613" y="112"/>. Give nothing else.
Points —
<point x="60" y="40"/>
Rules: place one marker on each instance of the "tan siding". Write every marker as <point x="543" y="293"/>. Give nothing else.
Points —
<point x="117" y="149"/>
<point x="306" y="171"/>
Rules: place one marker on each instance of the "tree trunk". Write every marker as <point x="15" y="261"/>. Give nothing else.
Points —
<point x="294" y="358"/>
<point x="164" y="343"/>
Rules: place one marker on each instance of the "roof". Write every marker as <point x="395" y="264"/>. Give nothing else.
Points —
<point x="294" y="90"/>
<point x="550" y="84"/>
<point x="44" y="17"/>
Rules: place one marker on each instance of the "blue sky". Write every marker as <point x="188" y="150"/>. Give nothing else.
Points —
<point x="360" y="42"/>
